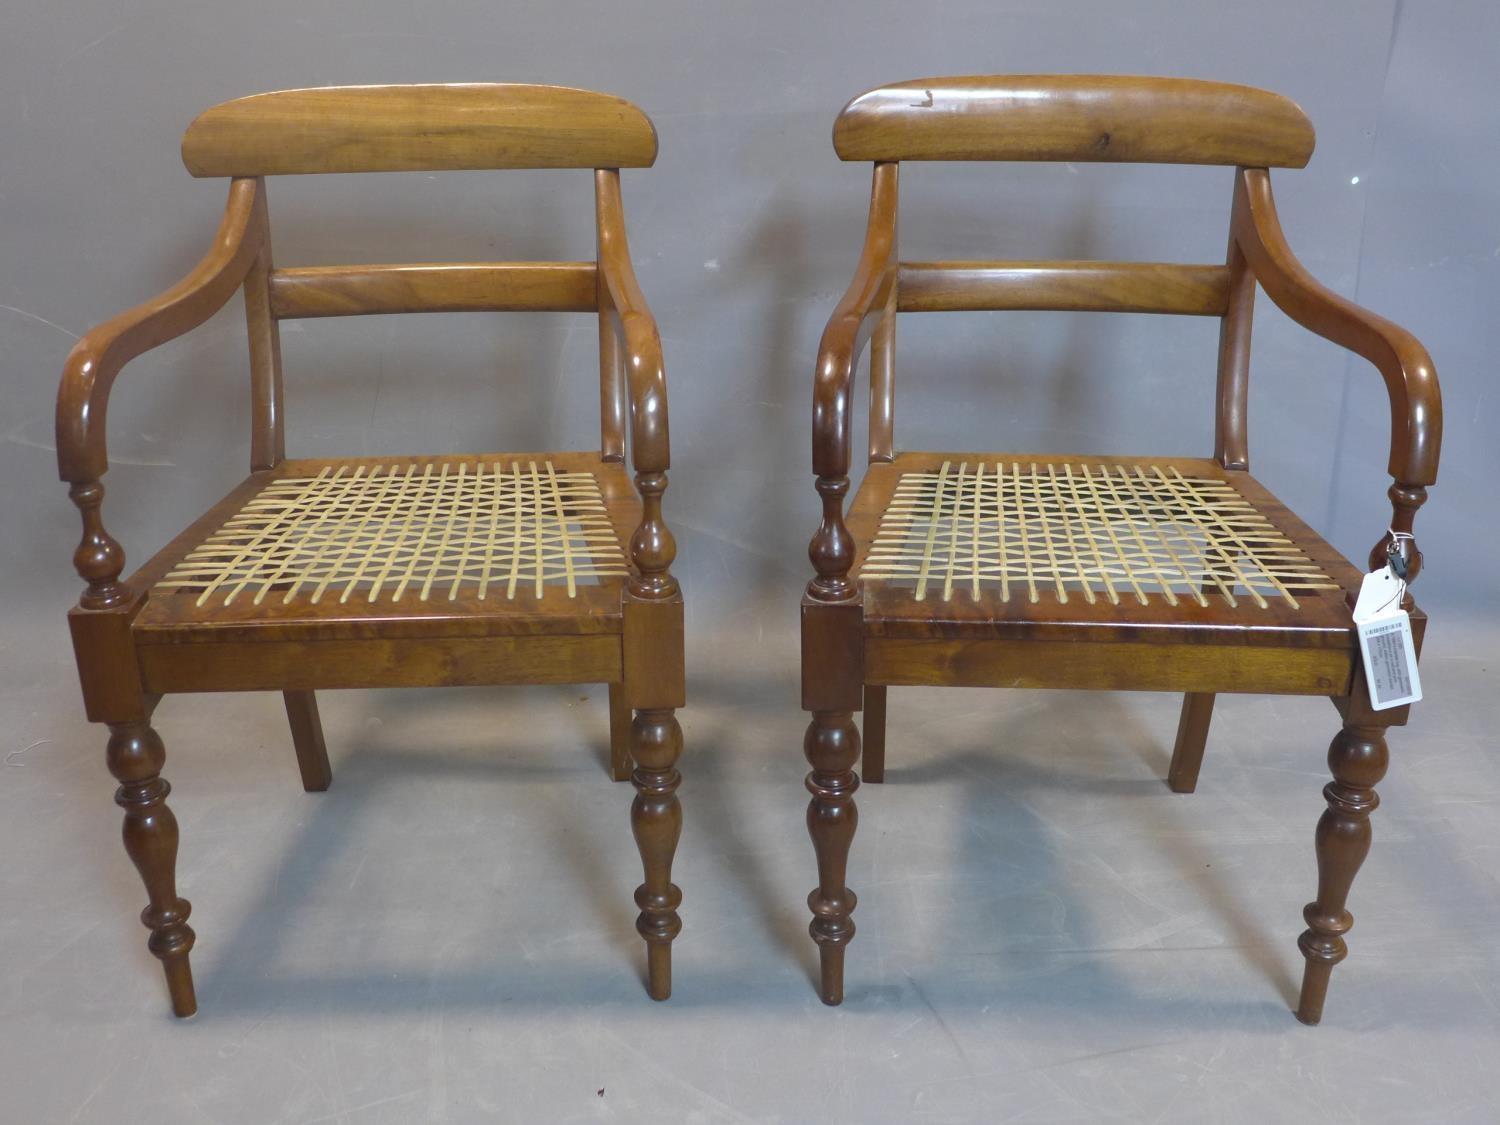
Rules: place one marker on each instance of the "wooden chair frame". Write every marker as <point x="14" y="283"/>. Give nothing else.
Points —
<point x="854" y="645"/>
<point x="130" y="651"/>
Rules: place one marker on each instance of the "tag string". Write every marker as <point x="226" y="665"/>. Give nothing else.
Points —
<point x="1398" y="562"/>
<point x="1396" y="565"/>
<point x="1394" y="599"/>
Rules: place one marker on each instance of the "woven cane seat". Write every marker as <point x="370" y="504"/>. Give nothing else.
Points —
<point x="498" y="536"/>
<point x="980" y="540"/>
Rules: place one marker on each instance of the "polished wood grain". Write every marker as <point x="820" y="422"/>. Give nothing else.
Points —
<point x="418" y="129"/>
<point x="832" y="749"/>
<point x="833" y="678"/>
<point x="1410" y="379"/>
<point x="95" y="361"/>
<point x="1232" y="390"/>
<point x="140" y="637"/>
<point x="655" y="686"/>
<point x="849" y="328"/>
<point x="1192" y="740"/>
<point x="1074" y="117"/>
<point x="1142" y="287"/>
<point x="1118" y="666"/>
<point x="614" y="412"/>
<point x="882" y="421"/>
<point x="833" y="655"/>
<point x="620" y="765"/>
<point x="104" y="651"/>
<point x="135" y="758"/>
<point x="872" y="753"/>
<point x="645" y="374"/>
<point x="307" y="739"/>
<point x="657" y="670"/>
<point x="267" y="410"/>
<point x="380" y="662"/>
<point x="459" y="287"/>
<point x="1357" y="758"/>
<point x="98" y="558"/>
<point x="867" y="298"/>
<point x="656" y="822"/>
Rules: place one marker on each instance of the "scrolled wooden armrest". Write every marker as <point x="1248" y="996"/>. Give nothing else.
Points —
<point x="83" y="397"/>
<point x="1410" y="379"/>
<point x="849" y="329"/>
<point x="832" y="547"/>
<point x="645" y="374"/>
<point x="652" y="548"/>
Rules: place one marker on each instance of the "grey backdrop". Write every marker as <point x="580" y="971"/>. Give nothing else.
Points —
<point x="1011" y="902"/>
<point x="745" y="233"/>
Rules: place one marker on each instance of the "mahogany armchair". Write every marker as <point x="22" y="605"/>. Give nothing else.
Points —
<point x="392" y="571"/>
<point x="1111" y="573"/>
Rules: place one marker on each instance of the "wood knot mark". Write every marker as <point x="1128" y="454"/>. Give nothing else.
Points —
<point x="926" y="103"/>
<point x="1103" y="141"/>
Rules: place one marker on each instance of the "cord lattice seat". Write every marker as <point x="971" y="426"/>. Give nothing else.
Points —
<point x="379" y="532"/>
<point x="1107" y="531"/>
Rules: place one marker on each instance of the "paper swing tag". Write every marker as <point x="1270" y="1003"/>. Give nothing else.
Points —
<point x="1385" y="644"/>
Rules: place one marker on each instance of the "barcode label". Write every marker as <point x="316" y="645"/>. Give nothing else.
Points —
<point x="1390" y="660"/>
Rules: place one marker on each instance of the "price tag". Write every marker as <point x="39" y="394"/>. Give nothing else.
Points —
<point x="1385" y="644"/>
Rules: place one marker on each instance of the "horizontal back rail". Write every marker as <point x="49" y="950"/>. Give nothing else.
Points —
<point x="460" y="287"/>
<point x="1144" y="287"/>
<point x="418" y="128"/>
<point x="1075" y="117"/>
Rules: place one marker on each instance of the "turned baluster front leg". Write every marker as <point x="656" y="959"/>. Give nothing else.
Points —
<point x="832" y="748"/>
<point x="832" y="689"/>
<point x="136" y="756"/>
<point x="656" y="821"/>
<point x="654" y="685"/>
<point x="1358" y="761"/>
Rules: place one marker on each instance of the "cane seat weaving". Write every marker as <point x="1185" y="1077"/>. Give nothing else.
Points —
<point x="499" y="527"/>
<point x="1111" y="531"/>
<point x="498" y="537"/>
<point x="1158" y="541"/>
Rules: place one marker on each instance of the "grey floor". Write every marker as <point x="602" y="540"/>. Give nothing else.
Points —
<point x="1046" y="933"/>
